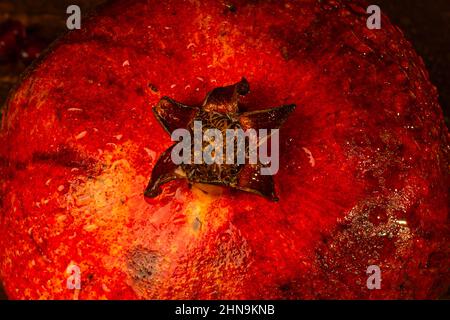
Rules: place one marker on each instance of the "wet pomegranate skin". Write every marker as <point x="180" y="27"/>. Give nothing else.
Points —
<point x="364" y="159"/>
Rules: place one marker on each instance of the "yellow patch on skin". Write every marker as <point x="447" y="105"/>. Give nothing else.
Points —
<point x="102" y="205"/>
<point x="224" y="50"/>
<point x="201" y="214"/>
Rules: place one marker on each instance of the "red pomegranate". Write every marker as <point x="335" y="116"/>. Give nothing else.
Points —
<point x="364" y="160"/>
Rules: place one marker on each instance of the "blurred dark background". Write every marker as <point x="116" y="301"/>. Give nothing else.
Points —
<point x="38" y="22"/>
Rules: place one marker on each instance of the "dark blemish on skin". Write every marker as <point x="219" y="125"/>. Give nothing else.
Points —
<point x="230" y="8"/>
<point x="285" y="53"/>
<point x="20" y="165"/>
<point x="5" y="162"/>
<point x="59" y="115"/>
<point x="40" y="246"/>
<point x="110" y="81"/>
<point x="142" y="264"/>
<point x="197" y="225"/>
<point x="139" y="91"/>
<point x="65" y="157"/>
<point x="285" y="287"/>
<point x="153" y="87"/>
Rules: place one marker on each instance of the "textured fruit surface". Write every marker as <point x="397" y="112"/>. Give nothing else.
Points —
<point x="363" y="174"/>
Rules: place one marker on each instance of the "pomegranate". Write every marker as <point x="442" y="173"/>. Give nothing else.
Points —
<point x="364" y="158"/>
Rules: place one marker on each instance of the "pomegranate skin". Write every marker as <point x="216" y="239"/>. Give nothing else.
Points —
<point x="364" y="159"/>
